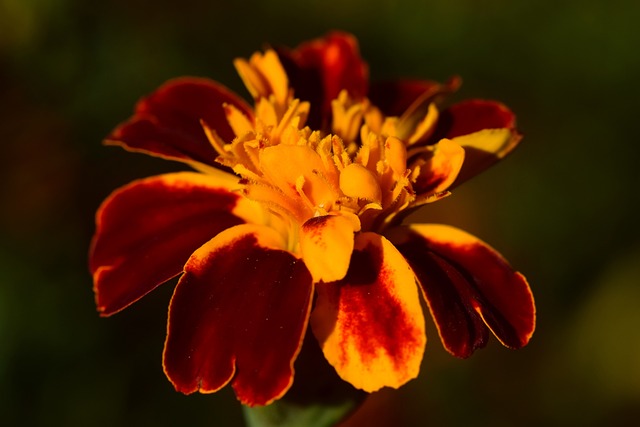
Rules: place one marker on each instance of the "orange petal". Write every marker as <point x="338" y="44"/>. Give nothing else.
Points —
<point x="326" y="243"/>
<point x="370" y="324"/>
<point x="239" y="315"/>
<point x="146" y="231"/>
<point x="359" y="182"/>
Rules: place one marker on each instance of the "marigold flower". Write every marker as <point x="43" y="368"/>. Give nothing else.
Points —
<point x="294" y="217"/>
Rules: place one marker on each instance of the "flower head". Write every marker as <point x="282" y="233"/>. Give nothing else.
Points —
<point x="294" y="217"/>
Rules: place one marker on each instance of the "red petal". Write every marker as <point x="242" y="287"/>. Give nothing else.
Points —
<point x="395" y="97"/>
<point x="319" y="69"/>
<point x="167" y="123"/>
<point x="370" y="324"/>
<point x="238" y="314"/>
<point x="467" y="285"/>
<point x="471" y="116"/>
<point x="147" y="230"/>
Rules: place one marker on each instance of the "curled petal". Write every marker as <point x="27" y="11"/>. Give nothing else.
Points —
<point x="483" y="149"/>
<point x="167" y="123"/>
<point x="238" y="314"/>
<point x="437" y="167"/>
<point x="146" y="231"/>
<point x="326" y="243"/>
<point x="370" y="324"/>
<point x="319" y="69"/>
<point x="467" y="285"/>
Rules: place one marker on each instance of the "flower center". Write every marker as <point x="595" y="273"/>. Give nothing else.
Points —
<point x="298" y="173"/>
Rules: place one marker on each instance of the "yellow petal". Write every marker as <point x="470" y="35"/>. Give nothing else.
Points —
<point x="240" y="124"/>
<point x="264" y="75"/>
<point x="326" y="243"/>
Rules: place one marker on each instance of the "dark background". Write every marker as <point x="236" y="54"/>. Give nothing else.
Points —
<point x="563" y="208"/>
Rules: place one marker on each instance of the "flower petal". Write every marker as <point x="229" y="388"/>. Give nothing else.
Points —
<point x="467" y="285"/>
<point x="319" y="69"/>
<point x="370" y="324"/>
<point x="147" y="230"/>
<point x="437" y="167"/>
<point x="167" y="123"/>
<point x="395" y="97"/>
<point x="473" y="115"/>
<point x="483" y="149"/>
<point x="238" y="314"/>
<point x="326" y="243"/>
<point x="485" y="129"/>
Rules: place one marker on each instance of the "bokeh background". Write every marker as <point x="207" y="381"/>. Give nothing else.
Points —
<point x="563" y="208"/>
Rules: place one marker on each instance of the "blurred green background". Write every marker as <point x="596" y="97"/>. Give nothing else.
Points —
<point x="563" y="208"/>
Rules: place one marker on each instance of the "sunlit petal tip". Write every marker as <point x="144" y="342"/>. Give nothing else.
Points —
<point x="370" y="324"/>
<point x="146" y="231"/>
<point x="470" y="288"/>
<point x="238" y="315"/>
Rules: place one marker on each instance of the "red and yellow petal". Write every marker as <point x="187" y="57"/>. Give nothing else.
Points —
<point x="467" y="285"/>
<point x="370" y="324"/>
<point x="239" y="315"/>
<point x="485" y="129"/>
<point x="146" y="231"/>
<point x="167" y="123"/>
<point x="319" y="69"/>
<point x="326" y="244"/>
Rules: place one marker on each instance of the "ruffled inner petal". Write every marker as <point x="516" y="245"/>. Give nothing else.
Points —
<point x="468" y="285"/>
<point x="238" y="314"/>
<point x="146" y="231"/>
<point x="167" y="123"/>
<point x="370" y="324"/>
